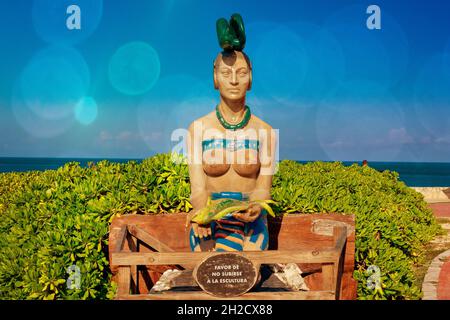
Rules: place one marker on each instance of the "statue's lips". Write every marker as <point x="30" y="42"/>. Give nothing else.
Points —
<point x="234" y="90"/>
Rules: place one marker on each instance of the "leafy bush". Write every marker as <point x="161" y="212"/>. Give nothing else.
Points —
<point x="392" y="221"/>
<point x="54" y="219"/>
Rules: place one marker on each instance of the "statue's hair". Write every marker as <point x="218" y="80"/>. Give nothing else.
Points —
<point x="229" y="57"/>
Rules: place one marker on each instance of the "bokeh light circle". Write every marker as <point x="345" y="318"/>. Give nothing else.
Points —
<point x="280" y="63"/>
<point x="446" y="67"/>
<point x="308" y="74"/>
<point x="362" y="121"/>
<point x="34" y="124"/>
<point x="134" y="68"/>
<point x="326" y="65"/>
<point x="173" y="103"/>
<point x="380" y="56"/>
<point x="50" y="20"/>
<point x="86" y="110"/>
<point x="54" y="80"/>
<point x="432" y="97"/>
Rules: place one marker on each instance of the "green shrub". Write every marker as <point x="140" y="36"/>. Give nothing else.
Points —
<point x="392" y="221"/>
<point x="54" y="219"/>
<point x="58" y="218"/>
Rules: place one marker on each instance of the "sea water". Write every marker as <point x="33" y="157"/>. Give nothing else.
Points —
<point x="414" y="174"/>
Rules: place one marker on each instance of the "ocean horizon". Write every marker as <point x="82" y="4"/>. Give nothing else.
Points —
<point x="413" y="174"/>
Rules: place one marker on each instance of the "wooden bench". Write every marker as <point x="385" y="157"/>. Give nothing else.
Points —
<point x="142" y="247"/>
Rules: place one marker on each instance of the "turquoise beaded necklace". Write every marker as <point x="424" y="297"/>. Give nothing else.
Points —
<point x="236" y="126"/>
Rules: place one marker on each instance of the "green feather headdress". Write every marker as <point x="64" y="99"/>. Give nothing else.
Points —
<point x="231" y="35"/>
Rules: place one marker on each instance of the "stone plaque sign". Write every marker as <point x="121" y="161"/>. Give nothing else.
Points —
<point x="226" y="274"/>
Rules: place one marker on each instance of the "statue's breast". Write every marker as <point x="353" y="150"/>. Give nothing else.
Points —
<point x="247" y="163"/>
<point x="221" y="154"/>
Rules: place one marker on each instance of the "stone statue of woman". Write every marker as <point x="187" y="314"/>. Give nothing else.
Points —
<point x="231" y="153"/>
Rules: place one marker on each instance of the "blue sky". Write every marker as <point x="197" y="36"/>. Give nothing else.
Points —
<point x="335" y="89"/>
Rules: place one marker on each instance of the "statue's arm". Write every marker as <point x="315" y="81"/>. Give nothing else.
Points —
<point x="264" y="179"/>
<point x="197" y="176"/>
<point x="263" y="185"/>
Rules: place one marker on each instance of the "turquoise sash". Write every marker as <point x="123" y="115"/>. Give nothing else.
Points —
<point x="230" y="144"/>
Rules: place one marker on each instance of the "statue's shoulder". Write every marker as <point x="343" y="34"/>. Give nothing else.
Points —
<point x="205" y="121"/>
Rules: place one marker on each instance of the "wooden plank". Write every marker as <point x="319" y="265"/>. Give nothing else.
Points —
<point x="122" y="235"/>
<point x="339" y="237"/>
<point x="284" y="231"/>
<point x="328" y="281"/>
<point x="145" y="281"/>
<point x="348" y="287"/>
<point x="339" y="274"/>
<point x="193" y="295"/>
<point x="146" y="237"/>
<point x="123" y="281"/>
<point x="167" y="228"/>
<point x="133" y="247"/>
<point x="184" y="279"/>
<point x="308" y="268"/>
<point x="329" y="255"/>
<point x="326" y="226"/>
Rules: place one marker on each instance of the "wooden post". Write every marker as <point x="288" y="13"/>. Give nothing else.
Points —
<point x="122" y="235"/>
<point x="123" y="279"/>
<point x="332" y="272"/>
<point x="133" y="247"/>
<point x="340" y="240"/>
<point x="124" y="272"/>
<point x="328" y="277"/>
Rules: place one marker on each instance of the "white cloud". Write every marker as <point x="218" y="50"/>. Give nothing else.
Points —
<point x="152" y="136"/>
<point x="125" y="136"/>
<point x="443" y="140"/>
<point x="104" y="136"/>
<point x="338" y="144"/>
<point x="399" y="136"/>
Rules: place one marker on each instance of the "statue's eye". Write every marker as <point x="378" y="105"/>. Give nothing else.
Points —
<point x="226" y="73"/>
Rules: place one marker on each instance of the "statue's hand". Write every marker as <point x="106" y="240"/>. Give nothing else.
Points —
<point x="189" y="217"/>
<point x="199" y="230"/>
<point x="249" y="215"/>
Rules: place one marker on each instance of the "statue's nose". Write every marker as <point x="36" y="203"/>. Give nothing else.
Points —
<point x="234" y="78"/>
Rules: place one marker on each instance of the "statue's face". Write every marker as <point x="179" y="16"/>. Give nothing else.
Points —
<point x="233" y="76"/>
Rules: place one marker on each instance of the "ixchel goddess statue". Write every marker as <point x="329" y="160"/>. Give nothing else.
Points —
<point x="231" y="155"/>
